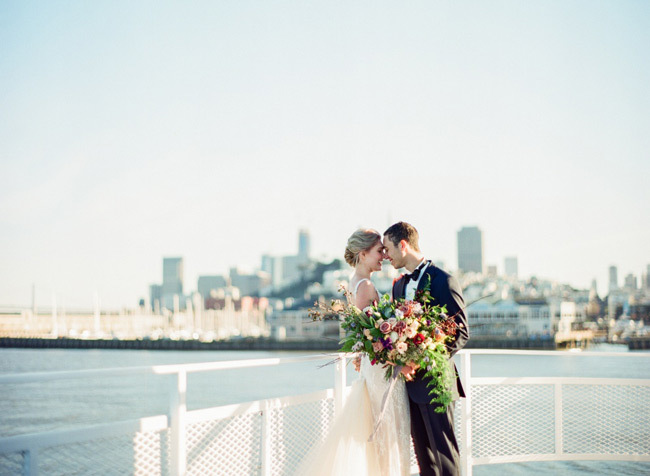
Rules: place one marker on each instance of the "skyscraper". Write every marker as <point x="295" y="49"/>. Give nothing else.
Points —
<point x="303" y="246"/>
<point x="511" y="265"/>
<point x="172" y="281"/>
<point x="613" y="278"/>
<point x="470" y="249"/>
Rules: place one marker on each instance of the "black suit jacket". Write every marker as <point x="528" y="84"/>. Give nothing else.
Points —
<point x="445" y="291"/>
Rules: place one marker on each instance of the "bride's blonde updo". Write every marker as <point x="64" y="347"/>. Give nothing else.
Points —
<point x="361" y="240"/>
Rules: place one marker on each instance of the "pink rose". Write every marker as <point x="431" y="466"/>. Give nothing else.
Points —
<point x="377" y="346"/>
<point x="407" y="308"/>
<point x="399" y="327"/>
<point x="384" y="327"/>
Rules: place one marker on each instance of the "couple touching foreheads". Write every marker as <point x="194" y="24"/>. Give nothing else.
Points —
<point x="407" y="413"/>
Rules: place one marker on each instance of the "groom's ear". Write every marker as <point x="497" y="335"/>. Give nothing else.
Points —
<point x="403" y="245"/>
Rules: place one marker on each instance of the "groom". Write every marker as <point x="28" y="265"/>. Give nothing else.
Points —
<point x="434" y="441"/>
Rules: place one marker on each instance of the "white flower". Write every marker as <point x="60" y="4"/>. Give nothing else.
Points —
<point x="357" y="347"/>
<point x="410" y="332"/>
<point x="392" y="321"/>
<point x="367" y="309"/>
<point x="394" y="336"/>
<point x="402" y="338"/>
<point x="366" y="332"/>
<point x="399" y="313"/>
<point x="401" y="347"/>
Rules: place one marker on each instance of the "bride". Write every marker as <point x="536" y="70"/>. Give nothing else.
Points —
<point x="346" y="450"/>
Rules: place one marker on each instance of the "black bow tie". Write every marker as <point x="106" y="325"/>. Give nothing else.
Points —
<point x="416" y="273"/>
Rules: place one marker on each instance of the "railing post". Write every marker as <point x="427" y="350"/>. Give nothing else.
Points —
<point x="466" y="414"/>
<point x="339" y="384"/>
<point x="30" y="463"/>
<point x="266" y="440"/>
<point x="558" y="420"/>
<point x="177" y="410"/>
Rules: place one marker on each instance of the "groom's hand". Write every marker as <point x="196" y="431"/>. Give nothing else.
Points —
<point x="409" y="371"/>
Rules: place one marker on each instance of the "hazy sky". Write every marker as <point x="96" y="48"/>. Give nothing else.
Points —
<point x="130" y="131"/>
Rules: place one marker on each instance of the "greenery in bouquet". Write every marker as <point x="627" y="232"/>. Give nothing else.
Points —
<point x="398" y="333"/>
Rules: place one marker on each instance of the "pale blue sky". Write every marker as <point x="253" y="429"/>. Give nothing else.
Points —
<point x="215" y="130"/>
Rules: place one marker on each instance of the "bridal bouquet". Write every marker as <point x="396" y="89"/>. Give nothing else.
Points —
<point x="399" y="333"/>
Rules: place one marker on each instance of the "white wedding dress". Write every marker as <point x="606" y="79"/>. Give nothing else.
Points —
<point x="346" y="449"/>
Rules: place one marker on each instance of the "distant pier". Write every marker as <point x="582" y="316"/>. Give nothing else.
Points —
<point x="245" y="344"/>
<point x="169" y="344"/>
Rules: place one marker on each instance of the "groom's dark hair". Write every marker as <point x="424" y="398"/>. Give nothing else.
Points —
<point x="403" y="231"/>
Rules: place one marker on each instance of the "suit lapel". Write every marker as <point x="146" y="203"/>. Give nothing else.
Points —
<point x="401" y="288"/>
<point x="430" y="270"/>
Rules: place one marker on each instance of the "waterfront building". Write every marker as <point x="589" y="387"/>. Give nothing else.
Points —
<point x="291" y="267"/>
<point x="273" y="266"/>
<point x="523" y="318"/>
<point x="470" y="249"/>
<point x="630" y="282"/>
<point x="295" y="324"/>
<point x="511" y="266"/>
<point x="249" y="284"/>
<point x="207" y="284"/>
<point x="155" y="297"/>
<point x="492" y="271"/>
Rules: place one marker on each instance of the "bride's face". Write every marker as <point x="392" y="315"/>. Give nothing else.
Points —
<point x="373" y="257"/>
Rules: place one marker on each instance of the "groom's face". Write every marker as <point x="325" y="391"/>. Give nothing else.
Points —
<point x="394" y="253"/>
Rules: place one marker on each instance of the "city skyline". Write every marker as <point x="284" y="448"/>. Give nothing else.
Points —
<point x="172" y="276"/>
<point x="216" y="131"/>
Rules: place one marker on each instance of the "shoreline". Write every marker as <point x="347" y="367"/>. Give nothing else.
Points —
<point x="243" y="344"/>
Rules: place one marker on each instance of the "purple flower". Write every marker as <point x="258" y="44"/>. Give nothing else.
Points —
<point x="387" y="343"/>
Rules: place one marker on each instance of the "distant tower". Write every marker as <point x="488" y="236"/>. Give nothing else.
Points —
<point x="613" y="278"/>
<point x="470" y="249"/>
<point x="511" y="265"/>
<point x="172" y="280"/>
<point x="303" y="246"/>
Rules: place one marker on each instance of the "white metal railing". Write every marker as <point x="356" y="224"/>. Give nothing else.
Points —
<point x="175" y="425"/>
<point x="502" y="420"/>
<point x="523" y="419"/>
